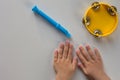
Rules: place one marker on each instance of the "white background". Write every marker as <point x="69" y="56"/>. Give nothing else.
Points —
<point x="27" y="42"/>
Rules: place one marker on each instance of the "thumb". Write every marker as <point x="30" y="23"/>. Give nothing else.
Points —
<point x="75" y="62"/>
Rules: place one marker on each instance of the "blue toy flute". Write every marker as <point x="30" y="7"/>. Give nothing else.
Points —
<point x="53" y="22"/>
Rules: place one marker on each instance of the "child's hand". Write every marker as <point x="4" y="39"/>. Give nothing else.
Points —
<point x="64" y="64"/>
<point x="91" y="63"/>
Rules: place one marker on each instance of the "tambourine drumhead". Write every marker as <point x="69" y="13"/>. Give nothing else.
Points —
<point x="101" y="19"/>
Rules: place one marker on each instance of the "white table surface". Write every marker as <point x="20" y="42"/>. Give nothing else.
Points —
<point x="27" y="42"/>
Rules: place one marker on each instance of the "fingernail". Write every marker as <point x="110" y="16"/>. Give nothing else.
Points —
<point x="80" y="47"/>
<point x="87" y="46"/>
<point x="56" y="50"/>
<point x="67" y="41"/>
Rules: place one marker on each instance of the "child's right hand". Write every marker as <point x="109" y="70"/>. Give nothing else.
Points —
<point x="91" y="63"/>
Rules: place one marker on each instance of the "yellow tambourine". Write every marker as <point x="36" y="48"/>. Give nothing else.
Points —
<point x="101" y="19"/>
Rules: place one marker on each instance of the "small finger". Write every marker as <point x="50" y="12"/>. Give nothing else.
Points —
<point x="81" y="57"/>
<point x="90" y="52"/>
<point x="55" y="55"/>
<point x="97" y="53"/>
<point x="70" y="52"/>
<point x="66" y="47"/>
<point x="84" y="53"/>
<point x="60" y="50"/>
